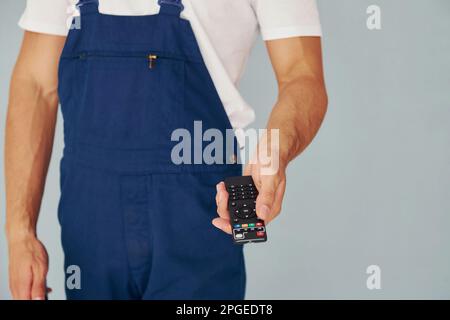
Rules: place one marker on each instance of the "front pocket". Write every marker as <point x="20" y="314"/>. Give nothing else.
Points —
<point x="127" y="97"/>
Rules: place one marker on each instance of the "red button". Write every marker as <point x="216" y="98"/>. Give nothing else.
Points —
<point x="260" y="234"/>
<point x="259" y="224"/>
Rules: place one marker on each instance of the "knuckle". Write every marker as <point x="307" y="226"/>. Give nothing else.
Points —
<point x="276" y="210"/>
<point x="39" y="277"/>
<point x="39" y="271"/>
<point x="268" y="194"/>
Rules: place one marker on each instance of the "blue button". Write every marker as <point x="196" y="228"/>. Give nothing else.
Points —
<point x="237" y="225"/>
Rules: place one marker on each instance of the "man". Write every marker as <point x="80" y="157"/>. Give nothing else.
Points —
<point x="135" y="223"/>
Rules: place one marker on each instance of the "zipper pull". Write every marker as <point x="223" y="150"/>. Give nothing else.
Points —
<point x="151" y="60"/>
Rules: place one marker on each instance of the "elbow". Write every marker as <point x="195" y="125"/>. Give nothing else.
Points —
<point x="315" y="90"/>
<point x="323" y="99"/>
<point x="307" y="93"/>
<point x="320" y="107"/>
<point x="27" y="90"/>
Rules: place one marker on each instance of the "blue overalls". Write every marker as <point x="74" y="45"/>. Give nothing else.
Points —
<point x="137" y="224"/>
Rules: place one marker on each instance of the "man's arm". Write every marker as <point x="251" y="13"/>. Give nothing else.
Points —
<point x="298" y="114"/>
<point x="302" y="99"/>
<point x="30" y="130"/>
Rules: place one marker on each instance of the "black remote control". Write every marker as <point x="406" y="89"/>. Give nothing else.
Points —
<point x="245" y="225"/>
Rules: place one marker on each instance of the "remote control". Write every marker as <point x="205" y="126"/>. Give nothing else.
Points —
<point x="245" y="225"/>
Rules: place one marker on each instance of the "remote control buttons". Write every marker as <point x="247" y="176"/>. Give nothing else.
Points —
<point x="246" y="226"/>
<point x="243" y="210"/>
<point x="242" y="192"/>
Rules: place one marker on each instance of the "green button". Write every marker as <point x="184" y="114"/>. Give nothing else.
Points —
<point x="251" y="225"/>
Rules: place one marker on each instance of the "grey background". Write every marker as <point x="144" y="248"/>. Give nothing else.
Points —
<point x="373" y="188"/>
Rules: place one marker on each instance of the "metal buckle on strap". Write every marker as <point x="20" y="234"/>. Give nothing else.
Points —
<point x="176" y="3"/>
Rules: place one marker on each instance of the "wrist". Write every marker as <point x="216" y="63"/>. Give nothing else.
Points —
<point x="283" y="156"/>
<point x="19" y="231"/>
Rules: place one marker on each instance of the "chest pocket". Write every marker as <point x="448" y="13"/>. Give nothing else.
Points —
<point x="125" y="98"/>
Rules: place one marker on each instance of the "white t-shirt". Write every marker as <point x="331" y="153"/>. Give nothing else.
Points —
<point x="225" y="31"/>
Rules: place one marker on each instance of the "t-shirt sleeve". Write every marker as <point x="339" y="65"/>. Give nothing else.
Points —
<point x="287" y="18"/>
<point x="48" y="16"/>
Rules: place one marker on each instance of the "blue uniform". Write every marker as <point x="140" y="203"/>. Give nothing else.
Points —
<point x="137" y="224"/>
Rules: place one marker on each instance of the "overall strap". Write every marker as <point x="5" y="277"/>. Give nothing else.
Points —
<point x="170" y="7"/>
<point x="86" y="6"/>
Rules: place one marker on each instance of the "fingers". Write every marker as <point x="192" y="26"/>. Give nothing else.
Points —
<point x="247" y="170"/>
<point x="279" y="194"/>
<point x="21" y="285"/>
<point x="223" y="222"/>
<point x="270" y="198"/>
<point x="28" y="265"/>
<point x="268" y="203"/>
<point x="266" y="198"/>
<point x="38" y="287"/>
<point x="222" y="201"/>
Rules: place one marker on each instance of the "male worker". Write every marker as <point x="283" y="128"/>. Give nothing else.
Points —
<point x="127" y="75"/>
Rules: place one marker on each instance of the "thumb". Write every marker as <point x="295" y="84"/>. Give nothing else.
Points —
<point x="247" y="170"/>
<point x="266" y="198"/>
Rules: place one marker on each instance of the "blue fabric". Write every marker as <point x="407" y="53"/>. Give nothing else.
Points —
<point x="138" y="225"/>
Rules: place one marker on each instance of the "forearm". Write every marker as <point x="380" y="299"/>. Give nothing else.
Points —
<point x="298" y="114"/>
<point x="29" y="138"/>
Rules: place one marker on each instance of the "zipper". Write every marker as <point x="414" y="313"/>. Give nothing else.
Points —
<point x="150" y="57"/>
<point x="152" y="60"/>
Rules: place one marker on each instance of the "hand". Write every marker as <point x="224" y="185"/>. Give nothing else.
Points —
<point x="28" y="266"/>
<point x="268" y="203"/>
